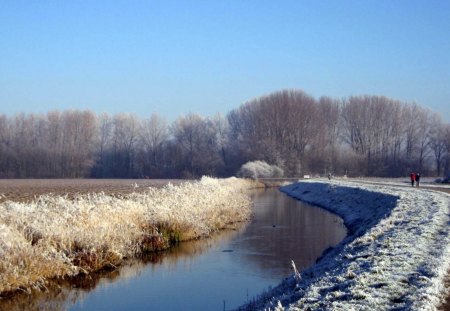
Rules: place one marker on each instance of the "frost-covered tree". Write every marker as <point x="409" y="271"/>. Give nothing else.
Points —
<point x="259" y="169"/>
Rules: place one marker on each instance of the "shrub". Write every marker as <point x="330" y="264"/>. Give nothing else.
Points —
<point x="259" y="169"/>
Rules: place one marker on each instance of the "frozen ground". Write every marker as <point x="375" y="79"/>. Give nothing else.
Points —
<point x="427" y="182"/>
<point x="395" y="256"/>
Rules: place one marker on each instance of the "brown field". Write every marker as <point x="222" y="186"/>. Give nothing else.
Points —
<point x="25" y="190"/>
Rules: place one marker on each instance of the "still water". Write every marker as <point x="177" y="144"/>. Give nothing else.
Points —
<point x="219" y="273"/>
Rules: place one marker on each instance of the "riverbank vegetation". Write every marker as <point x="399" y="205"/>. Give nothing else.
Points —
<point x="357" y="136"/>
<point x="57" y="237"/>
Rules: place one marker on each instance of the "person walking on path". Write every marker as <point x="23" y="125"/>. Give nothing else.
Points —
<point x="417" y="179"/>
<point x="413" y="178"/>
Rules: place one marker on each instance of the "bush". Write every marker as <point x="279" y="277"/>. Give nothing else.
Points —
<point x="259" y="169"/>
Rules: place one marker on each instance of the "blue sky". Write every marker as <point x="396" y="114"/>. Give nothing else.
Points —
<point x="177" y="57"/>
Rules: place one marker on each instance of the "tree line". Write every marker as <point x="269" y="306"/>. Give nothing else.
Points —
<point x="357" y="136"/>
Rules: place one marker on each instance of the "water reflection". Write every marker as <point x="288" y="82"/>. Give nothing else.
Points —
<point x="285" y="229"/>
<point x="219" y="273"/>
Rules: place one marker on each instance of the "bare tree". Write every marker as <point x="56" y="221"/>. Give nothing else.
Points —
<point x="197" y="138"/>
<point x="6" y="155"/>
<point x="278" y="128"/>
<point x="103" y="147"/>
<point x="154" y="133"/>
<point x="125" y="134"/>
<point x="438" y="141"/>
<point x="446" y="161"/>
<point x="78" y="134"/>
<point x="410" y="115"/>
<point x="356" y="124"/>
<point x="327" y="139"/>
<point x="373" y="126"/>
<point x="423" y="125"/>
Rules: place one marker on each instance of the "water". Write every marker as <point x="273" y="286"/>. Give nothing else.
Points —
<point x="213" y="274"/>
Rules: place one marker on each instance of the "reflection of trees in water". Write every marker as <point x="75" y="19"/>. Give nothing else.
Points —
<point x="61" y="294"/>
<point x="285" y="229"/>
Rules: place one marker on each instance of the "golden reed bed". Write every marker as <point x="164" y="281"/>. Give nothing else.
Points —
<point x="56" y="236"/>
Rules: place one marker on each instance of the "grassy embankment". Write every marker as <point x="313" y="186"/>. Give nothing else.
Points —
<point x="56" y="237"/>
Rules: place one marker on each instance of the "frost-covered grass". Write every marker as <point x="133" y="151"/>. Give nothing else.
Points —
<point x="56" y="237"/>
<point x="395" y="257"/>
<point x="429" y="182"/>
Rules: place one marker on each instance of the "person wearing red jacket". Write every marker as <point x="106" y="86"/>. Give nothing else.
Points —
<point x="413" y="178"/>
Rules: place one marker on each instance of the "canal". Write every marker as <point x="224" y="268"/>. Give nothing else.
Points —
<point x="222" y="272"/>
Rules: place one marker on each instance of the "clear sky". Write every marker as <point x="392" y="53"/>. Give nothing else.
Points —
<point x="177" y="57"/>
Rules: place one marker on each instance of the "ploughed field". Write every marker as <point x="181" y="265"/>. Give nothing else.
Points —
<point x="26" y="190"/>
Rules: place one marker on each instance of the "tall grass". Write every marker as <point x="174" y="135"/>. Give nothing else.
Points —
<point x="56" y="237"/>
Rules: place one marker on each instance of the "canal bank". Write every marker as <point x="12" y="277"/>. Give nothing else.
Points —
<point x="395" y="256"/>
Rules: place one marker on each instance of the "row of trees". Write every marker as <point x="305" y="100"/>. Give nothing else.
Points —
<point x="361" y="135"/>
<point x="365" y="135"/>
<point x="73" y="144"/>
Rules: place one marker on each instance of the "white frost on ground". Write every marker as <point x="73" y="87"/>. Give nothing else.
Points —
<point x="395" y="256"/>
<point x="424" y="182"/>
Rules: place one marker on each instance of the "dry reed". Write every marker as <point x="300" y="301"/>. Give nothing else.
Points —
<point x="56" y="237"/>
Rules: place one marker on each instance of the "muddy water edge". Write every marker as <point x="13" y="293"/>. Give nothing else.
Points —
<point x="217" y="273"/>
